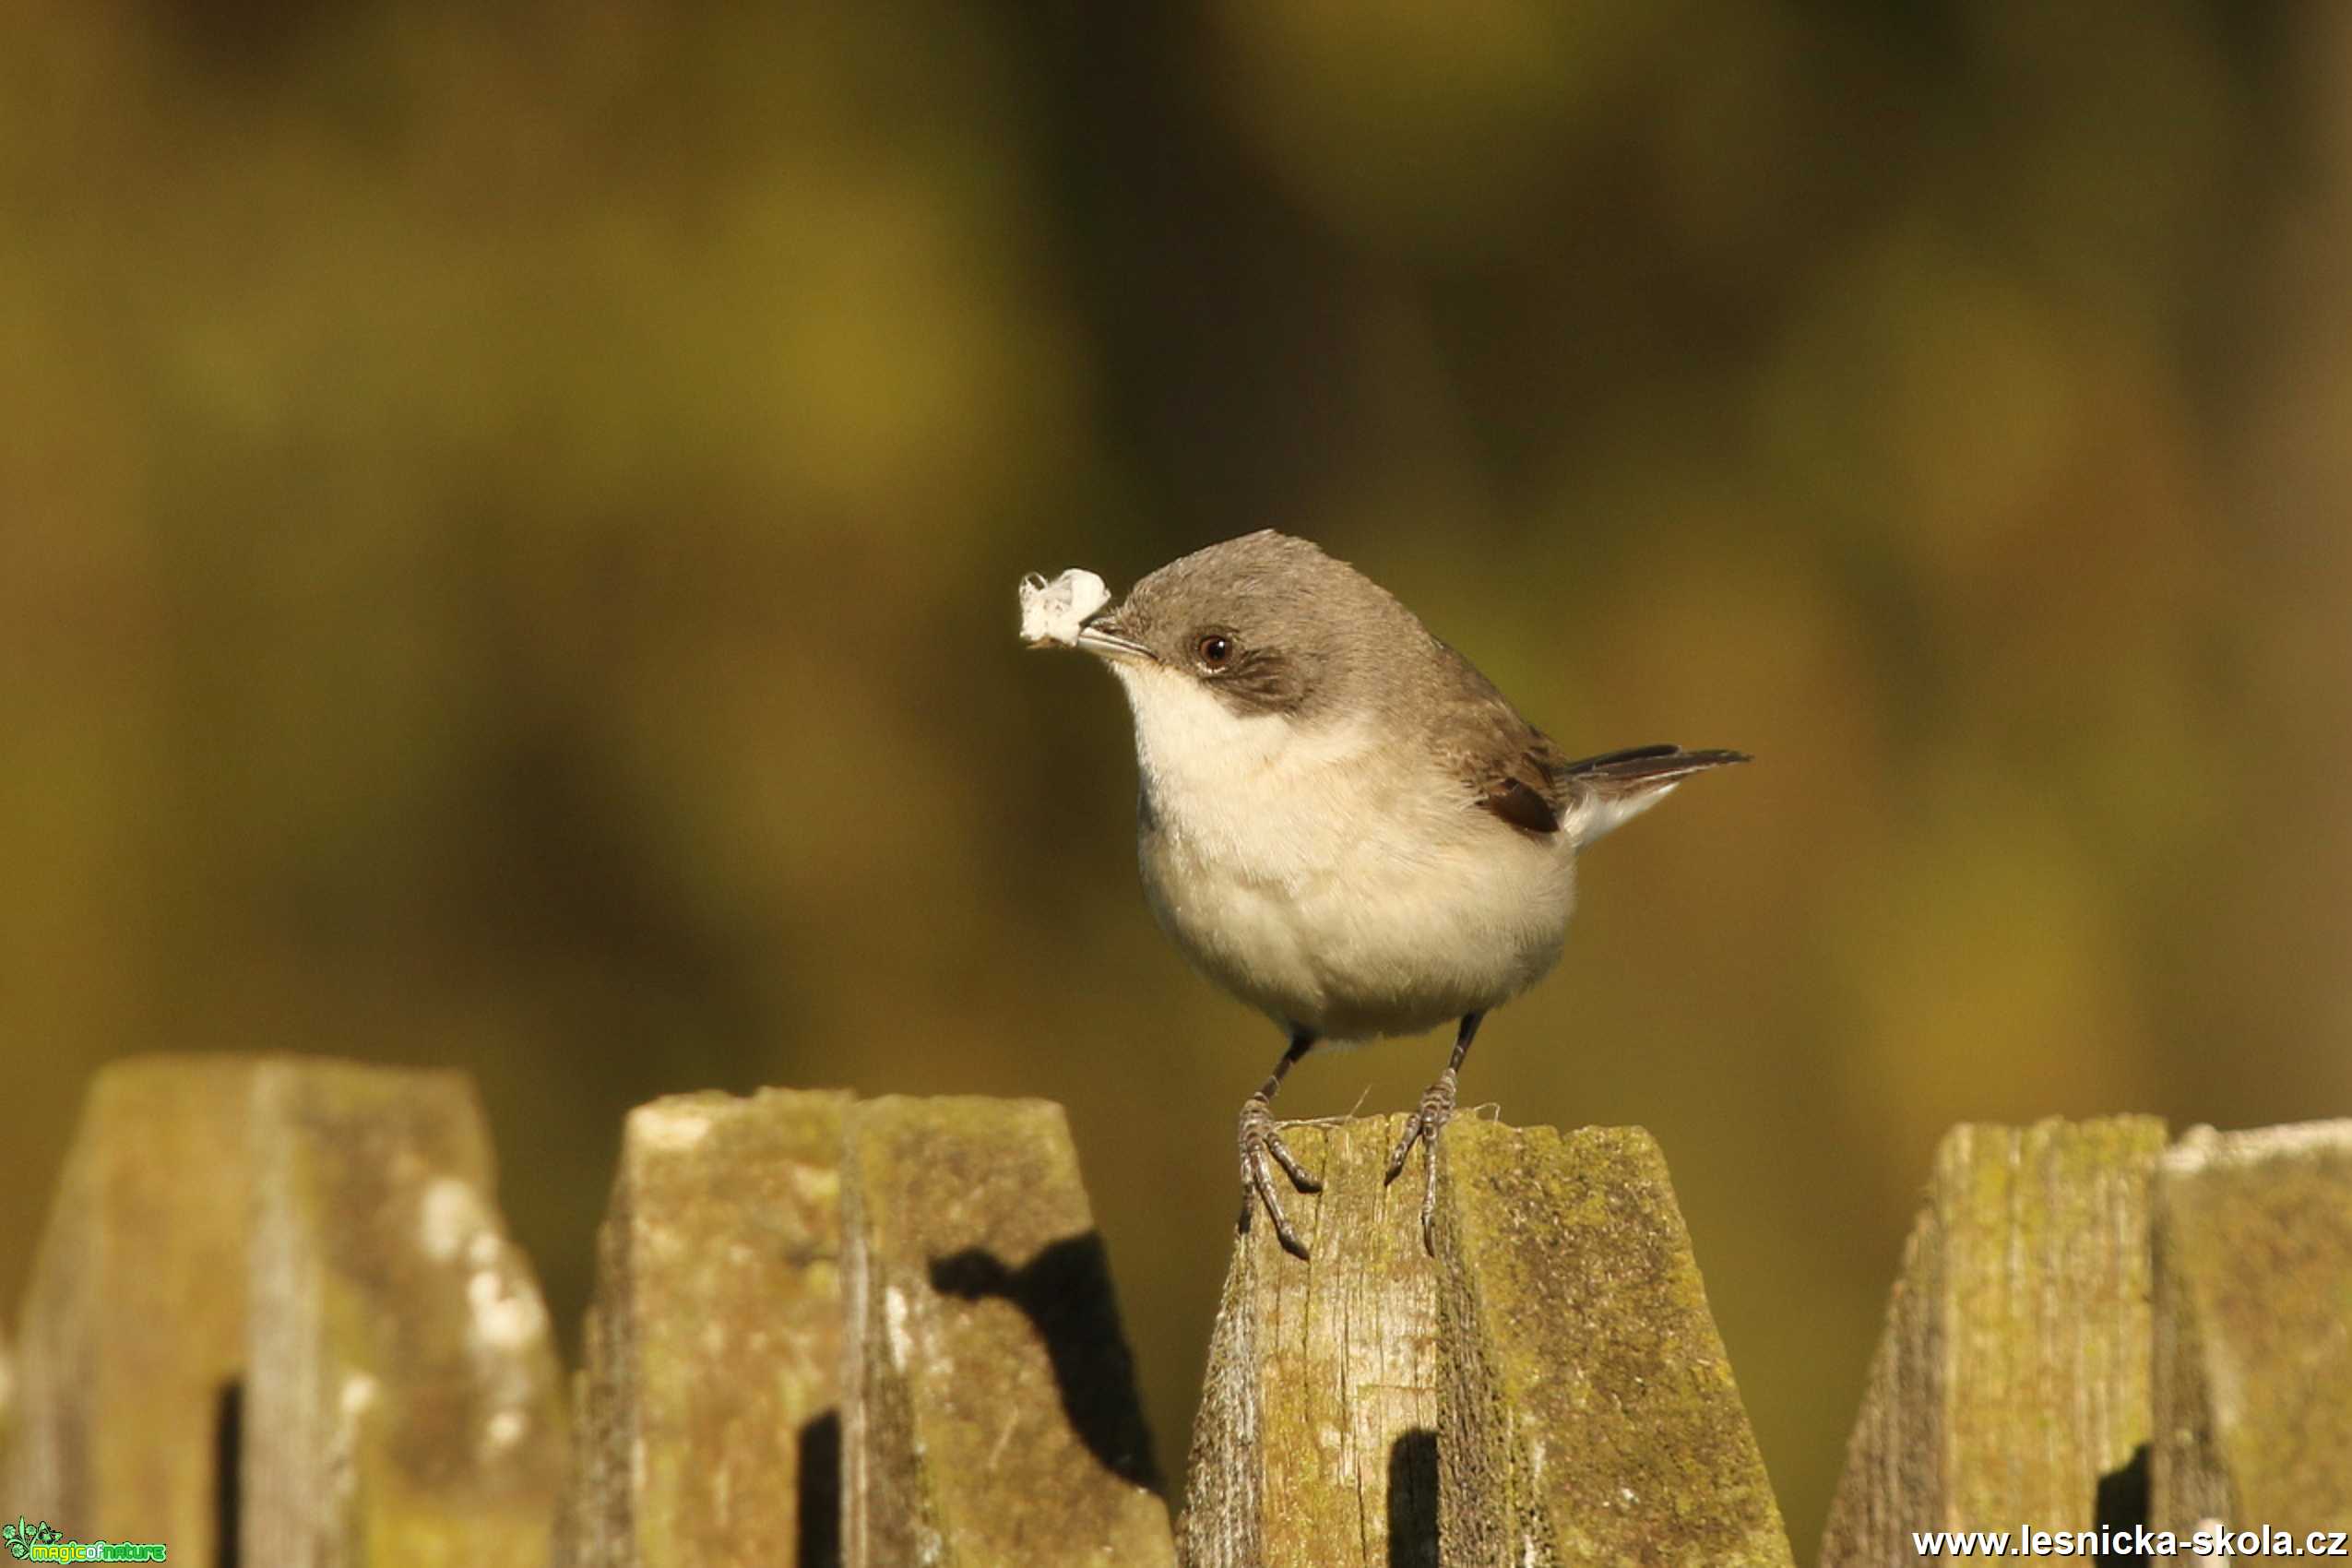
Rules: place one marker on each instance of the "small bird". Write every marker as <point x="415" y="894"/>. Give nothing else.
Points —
<point x="1341" y="822"/>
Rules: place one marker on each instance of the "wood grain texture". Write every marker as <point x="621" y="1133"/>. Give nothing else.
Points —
<point x="276" y="1318"/>
<point x="1548" y="1389"/>
<point x="1589" y="1413"/>
<point x="708" y="1425"/>
<point x="1315" y="1443"/>
<point x="2254" y="1330"/>
<point x="133" y="1322"/>
<point x="991" y="1415"/>
<point x="403" y="1403"/>
<point x="2011" y="1383"/>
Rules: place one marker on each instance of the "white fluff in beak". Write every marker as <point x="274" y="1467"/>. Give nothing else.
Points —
<point x="1052" y="613"/>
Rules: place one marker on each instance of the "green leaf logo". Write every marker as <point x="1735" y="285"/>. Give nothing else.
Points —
<point x="22" y="1536"/>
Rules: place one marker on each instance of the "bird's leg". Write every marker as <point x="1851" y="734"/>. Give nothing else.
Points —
<point x="1259" y="1139"/>
<point x="1424" y="1125"/>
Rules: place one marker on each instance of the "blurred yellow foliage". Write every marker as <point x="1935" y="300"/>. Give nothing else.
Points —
<point x="509" y="519"/>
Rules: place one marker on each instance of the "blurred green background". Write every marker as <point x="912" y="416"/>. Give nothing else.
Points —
<point x="509" y="514"/>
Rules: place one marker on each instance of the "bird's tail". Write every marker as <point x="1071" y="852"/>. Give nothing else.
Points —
<point x="1608" y="789"/>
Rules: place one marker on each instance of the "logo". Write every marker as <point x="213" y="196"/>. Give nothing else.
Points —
<point x="43" y="1543"/>
<point x="22" y="1538"/>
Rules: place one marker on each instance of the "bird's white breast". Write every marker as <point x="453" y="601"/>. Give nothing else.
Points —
<point x="1340" y="883"/>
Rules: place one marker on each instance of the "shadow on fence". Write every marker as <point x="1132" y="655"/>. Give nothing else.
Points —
<point x="275" y="1317"/>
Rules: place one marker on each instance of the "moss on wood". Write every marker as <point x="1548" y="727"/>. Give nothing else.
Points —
<point x="2254" y="1330"/>
<point x="1590" y="1413"/>
<point x="2011" y="1383"/>
<point x="991" y="1415"/>
<point x="708" y="1422"/>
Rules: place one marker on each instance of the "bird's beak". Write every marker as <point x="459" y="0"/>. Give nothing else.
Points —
<point x="1101" y="637"/>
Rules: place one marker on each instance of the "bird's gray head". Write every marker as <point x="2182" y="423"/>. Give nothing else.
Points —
<point x="1266" y="624"/>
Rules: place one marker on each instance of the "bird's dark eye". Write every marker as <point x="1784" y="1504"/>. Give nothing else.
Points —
<point x="1216" y="650"/>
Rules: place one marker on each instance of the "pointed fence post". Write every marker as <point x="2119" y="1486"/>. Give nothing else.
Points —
<point x="132" y="1329"/>
<point x="1548" y="1389"/>
<point x="2254" y="1333"/>
<point x="1316" y="1444"/>
<point x="990" y="1412"/>
<point x="275" y="1318"/>
<point x="829" y="1334"/>
<point x="403" y="1403"/>
<point x="707" y="1426"/>
<point x="1590" y="1413"/>
<point x="2011" y="1386"/>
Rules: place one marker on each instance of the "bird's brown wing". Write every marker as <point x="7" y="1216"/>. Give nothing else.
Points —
<point x="1514" y="772"/>
<point x="1522" y="784"/>
<point x="1521" y="778"/>
<point x="1509" y="768"/>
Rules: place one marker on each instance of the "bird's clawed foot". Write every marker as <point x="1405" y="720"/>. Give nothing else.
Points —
<point x="1422" y="1127"/>
<point x="1260" y="1139"/>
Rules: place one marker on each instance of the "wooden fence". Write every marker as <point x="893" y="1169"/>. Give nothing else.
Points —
<point x="275" y="1319"/>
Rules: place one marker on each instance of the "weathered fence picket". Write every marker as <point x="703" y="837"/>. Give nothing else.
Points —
<point x="2253" y="1331"/>
<point x="990" y="1414"/>
<point x="1330" y="1364"/>
<point x="274" y="1318"/>
<point x="403" y="1402"/>
<point x="1589" y="1412"/>
<point x="707" y="1406"/>
<point x="2011" y="1384"/>
<point x="1550" y="1389"/>
<point x="131" y="1337"/>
